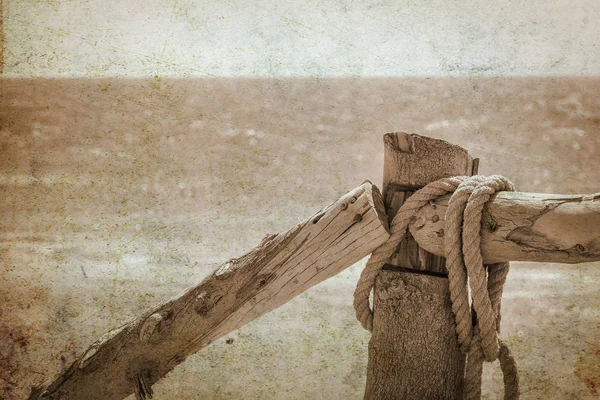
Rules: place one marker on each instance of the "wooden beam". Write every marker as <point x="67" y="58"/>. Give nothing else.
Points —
<point x="524" y="227"/>
<point x="413" y="352"/>
<point x="133" y="357"/>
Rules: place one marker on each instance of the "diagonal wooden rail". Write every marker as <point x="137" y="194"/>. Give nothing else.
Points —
<point x="133" y="357"/>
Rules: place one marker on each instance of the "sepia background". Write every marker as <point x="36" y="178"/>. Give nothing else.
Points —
<point x="143" y="143"/>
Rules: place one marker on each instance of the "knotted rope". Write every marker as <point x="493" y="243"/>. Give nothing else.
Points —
<point x="462" y="248"/>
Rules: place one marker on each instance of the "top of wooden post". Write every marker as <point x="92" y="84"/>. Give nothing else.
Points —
<point x="412" y="161"/>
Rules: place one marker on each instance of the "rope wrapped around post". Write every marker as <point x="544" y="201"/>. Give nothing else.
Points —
<point x="465" y="268"/>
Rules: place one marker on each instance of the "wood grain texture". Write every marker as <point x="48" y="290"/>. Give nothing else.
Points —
<point x="415" y="160"/>
<point x="412" y="318"/>
<point x="131" y="358"/>
<point x="524" y="227"/>
<point x="413" y="353"/>
<point x="410" y="162"/>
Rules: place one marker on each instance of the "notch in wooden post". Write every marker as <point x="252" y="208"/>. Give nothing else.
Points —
<point x="411" y="162"/>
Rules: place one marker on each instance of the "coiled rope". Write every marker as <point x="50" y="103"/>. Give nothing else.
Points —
<point x="462" y="248"/>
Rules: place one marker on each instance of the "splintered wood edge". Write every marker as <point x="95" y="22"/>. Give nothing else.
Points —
<point x="376" y="200"/>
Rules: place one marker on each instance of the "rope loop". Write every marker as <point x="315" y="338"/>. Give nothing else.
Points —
<point x="464" y="262"/>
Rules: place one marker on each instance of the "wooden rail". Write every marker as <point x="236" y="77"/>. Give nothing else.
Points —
<point x="524" y="227"/>
<point x="133" y="357"/>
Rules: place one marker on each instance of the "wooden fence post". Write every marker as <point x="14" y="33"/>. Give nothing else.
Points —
<point x="413" y="352"/>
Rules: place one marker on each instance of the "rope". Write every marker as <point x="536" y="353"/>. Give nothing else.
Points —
<point x="462" y="247"/>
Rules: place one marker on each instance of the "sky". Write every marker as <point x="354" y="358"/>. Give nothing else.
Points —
<point x="283" y="38"/>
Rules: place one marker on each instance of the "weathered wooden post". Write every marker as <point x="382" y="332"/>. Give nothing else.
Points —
<point x="413" y="352"/>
